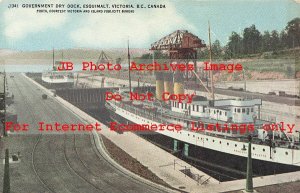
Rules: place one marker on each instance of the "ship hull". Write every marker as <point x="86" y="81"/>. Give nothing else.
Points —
<point x="209" y="159"/>
<point x="236" y="148"/>
<point x="58" y="85"/>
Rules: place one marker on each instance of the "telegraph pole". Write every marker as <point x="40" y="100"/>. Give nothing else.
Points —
<point x="6" y="179"/>
<point x="4" y="103"/>
<point x="249" y="180"/>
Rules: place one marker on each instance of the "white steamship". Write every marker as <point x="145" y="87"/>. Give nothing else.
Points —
<point x="58" y="79"/>
<point x="269" y="146"/>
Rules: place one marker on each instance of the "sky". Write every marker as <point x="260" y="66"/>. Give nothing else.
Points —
<point x="24" y="29"/>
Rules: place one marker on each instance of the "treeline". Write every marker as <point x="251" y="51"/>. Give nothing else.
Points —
<point x="250" y="42"/>
<point x="253" y="42"/>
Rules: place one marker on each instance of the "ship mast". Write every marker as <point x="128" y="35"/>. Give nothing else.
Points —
<point x="129" y="75"/>
<point x="210" y="59"/>
<point x="53" y="58"/>
<point x="4" y="101"/>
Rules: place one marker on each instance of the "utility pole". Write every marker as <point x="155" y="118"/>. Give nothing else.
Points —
<point x="249" y="180"/>
<point x="6" y="179"/>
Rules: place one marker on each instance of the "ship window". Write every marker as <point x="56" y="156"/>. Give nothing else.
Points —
<point x="235" y="145"/>
<point x="248" y="110"/>
<point x="220" y="112"/>
<point x="197" y="108"/>
<point x="235" y="110"/>
<point x="193" y="135"/>
<point x="220" y="142"/>
<point x="227" y="143"/>
<point x="213" y="140"/>
<point x="238" y="110"/>
<point x="253" y="148"/>
<point x="243" y="110"/>
<point x="264" y="149"/>
<point x="286" y="153"/>
<point x="274" y="151"/>
<point x="188" y="134"/>
<point x="206" y="139"/>
<point x="193" y="107"/>
<point x="214" y="111"/>
<point x="225" y="113"/>
<point x="251" y="109"/>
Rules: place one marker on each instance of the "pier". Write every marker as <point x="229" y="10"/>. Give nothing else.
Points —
<point x="60" y="162"/>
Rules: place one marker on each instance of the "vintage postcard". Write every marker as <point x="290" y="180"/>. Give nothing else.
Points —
<point x="111" y="96"/>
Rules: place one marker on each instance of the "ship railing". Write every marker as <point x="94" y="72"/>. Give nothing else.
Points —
<point x="152" y="115"/>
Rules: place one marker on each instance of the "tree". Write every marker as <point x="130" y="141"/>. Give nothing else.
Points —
<point x="275" y="41"/>
<point x="283" y="40"/>
<point x="266" y="42"/>
<point x="203" y="54"/>
<point x="293" y="32"/>
<point x="216" y="49"/>
<point x="251" y="40"/>
<point x="234" y="46"/>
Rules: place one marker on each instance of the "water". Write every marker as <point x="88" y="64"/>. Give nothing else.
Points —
<point x="11" y="68"/>
<point x="38" y="68"/>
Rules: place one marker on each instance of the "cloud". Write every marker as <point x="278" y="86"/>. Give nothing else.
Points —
<point x="142" y="27"/>
<point x="18" y="24"/>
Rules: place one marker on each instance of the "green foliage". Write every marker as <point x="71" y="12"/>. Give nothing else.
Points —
<point x="252" y="43"/>
<point x="251" y="40"/>
<point x="293" y="33"/>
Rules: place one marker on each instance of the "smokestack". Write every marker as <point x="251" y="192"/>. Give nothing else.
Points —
<point x="178" y="83"/>
<point x="159" y="85"/>
<point x="168" y="82"/>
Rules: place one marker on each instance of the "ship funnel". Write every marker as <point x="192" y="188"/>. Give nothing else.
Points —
<point x="159" y="85"/>
<point x="168" y="82"/>
<point x="178" y="83"/>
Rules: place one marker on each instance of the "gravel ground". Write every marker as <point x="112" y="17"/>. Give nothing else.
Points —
<point x="128" y="162"/>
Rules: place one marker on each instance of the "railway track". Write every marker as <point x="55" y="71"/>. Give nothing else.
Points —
<point x="90" y="175"/>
